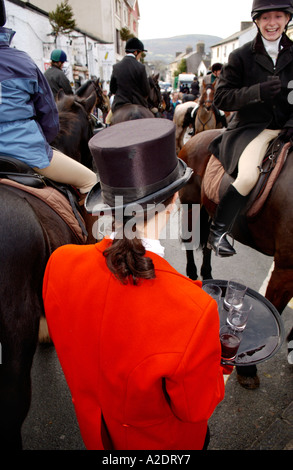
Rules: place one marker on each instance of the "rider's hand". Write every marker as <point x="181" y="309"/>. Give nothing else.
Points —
<point x="286" y="134"/>
<point x="269" y="89"/>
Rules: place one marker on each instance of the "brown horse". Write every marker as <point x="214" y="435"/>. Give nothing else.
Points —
<point x="202" y="117"/>
<point x="270" y="232"/>
<point x="30" y="231"/>
<point x="207" y="116"/>
<point x="129" y="112"/>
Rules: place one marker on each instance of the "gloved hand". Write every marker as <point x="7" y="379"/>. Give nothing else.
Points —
<point x="286" y="134"/>
<point x="269" y="89"/>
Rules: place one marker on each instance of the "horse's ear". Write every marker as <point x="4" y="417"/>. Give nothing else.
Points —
<point x="60" y="95"/>
<point x="90" y="102"/>
<point x="157" y="76"/>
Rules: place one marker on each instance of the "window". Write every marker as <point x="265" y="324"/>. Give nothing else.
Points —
<point x="117" y="41"/>
<point x="118" y="8"/>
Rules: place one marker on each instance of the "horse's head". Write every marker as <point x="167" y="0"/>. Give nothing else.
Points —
<point x="77" y="105"/>
<point x="167" y="105"/>
<point x="76" y="126"/>
<point x="207" y="97"/>
<point x="88" y="88"/>
<point x="155" y="97"/>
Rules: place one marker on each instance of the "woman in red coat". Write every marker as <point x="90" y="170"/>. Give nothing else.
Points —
<point x="138" y="342"/>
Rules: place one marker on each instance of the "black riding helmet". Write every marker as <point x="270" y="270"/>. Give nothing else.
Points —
<point x="261" y="6"/>
<point x="134" y="44"/>
<point x="2" y="13"/>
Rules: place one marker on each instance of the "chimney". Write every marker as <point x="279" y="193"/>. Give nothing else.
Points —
<point x="200" y="47"/>
<point x="245" y="25"/>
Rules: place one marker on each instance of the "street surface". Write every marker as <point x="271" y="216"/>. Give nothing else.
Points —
<point x="261" y="419"/>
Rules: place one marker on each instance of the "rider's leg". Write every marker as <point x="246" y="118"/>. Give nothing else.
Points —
<point x="235" y="196"/>
<point x="251" y="159"/>
<point x="64" y="169"/>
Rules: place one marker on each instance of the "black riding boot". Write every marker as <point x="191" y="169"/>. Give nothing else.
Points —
<point x="228" y="208"/>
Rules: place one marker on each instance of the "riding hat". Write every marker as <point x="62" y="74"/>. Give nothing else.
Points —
<point x="260" y="6"/>
<point x="134" y="44"/>
<point x="58" y="56"/>
<point x="2" y="13"/>
<point x="137" y="163"/>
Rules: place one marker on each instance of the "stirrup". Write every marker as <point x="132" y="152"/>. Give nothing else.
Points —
<point x="217" y="247"/>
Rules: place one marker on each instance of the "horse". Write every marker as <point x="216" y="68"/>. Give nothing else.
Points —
<point x="76" y="126"/>
<point x="180" y="121"/>
<point x="30" y="231"/>
<point x="155" y="99"/>
<point x="129" y="111"/>
<point x="204" y="116"/>
<point x="167" y="106"/>
<point x="270" y="232"/>
<point x="207" y="116"/>
<point x="90" y="86"/>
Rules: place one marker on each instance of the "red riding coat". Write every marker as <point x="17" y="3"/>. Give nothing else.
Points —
<point x="144" y="358"/>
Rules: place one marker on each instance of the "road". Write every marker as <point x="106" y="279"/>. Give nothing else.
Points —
<point x="245" y="420"/>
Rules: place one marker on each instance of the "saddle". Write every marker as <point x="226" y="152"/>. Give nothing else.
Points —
<point x="216" y="180"/>
<point x="62" y="198"/>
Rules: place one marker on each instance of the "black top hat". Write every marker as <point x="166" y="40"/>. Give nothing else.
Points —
<point x="136" y="160"/>
<point x="2" y="13"/>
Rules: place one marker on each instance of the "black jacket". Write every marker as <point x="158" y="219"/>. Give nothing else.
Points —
<point x="129" y="83"/>
<point x="239" y="90"/>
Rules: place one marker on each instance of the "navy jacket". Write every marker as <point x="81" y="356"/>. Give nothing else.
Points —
<point x="28" y="113"/>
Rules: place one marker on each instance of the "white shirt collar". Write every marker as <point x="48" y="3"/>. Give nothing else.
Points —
<point x="154" y="246"/>
<point x="272" y="48"/>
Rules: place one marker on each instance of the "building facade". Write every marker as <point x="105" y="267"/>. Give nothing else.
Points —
<point x="92" y="48"/>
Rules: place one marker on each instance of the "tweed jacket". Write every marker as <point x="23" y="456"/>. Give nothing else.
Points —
<point x="239" y="90"/>
<point x="142" y="362"/>
<point x="58" y="80"/>
<point x="129" y="83"/>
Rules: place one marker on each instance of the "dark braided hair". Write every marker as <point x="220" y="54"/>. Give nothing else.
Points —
<point x="126" y="256"/>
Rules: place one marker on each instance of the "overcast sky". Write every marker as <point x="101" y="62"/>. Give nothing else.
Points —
<point x="168" y="18"/>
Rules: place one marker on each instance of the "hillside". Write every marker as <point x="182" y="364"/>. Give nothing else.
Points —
<point x="165" y="50"/>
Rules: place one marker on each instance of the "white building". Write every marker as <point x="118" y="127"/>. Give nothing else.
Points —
<point x="222" y="50"/>
<point x="92" y="48"/>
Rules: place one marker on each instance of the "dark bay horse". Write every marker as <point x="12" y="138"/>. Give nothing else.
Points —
<point x="270" y="232"/>
<point x="76" y="126"/>
<point x="129" y="112"/>
<point x="30" y="231"/>
<point x="90" y="86"/>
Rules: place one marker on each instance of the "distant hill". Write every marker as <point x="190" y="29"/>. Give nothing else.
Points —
<point x="165" y="50"/>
